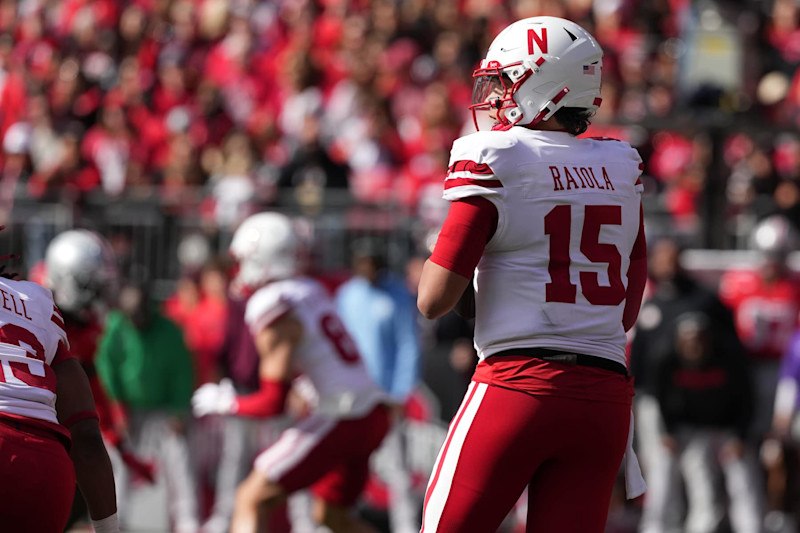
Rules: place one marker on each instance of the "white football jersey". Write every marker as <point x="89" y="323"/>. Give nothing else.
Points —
<point x="326" y="355"/>
<point x="31" y="329"/>
<point x="554" y="274"/>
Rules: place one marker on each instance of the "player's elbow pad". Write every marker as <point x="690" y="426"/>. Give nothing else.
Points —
<point x="269" y="400"/>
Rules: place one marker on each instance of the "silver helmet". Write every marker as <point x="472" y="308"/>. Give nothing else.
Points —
<point x="81" y="270"/>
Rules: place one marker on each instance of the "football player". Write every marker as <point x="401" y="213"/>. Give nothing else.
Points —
<point x="82" y="273"/>
<point x="765" y="304"/>
<point x="297" y="330"/>
<point x="49" y="433"/>
<point x="549" y="228"/>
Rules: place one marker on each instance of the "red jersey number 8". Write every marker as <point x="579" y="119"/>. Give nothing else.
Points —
<point x="340" y="338"/>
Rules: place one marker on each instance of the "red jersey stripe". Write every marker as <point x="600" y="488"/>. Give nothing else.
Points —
<point x="481" y="169"/>
<point x="458" y="182"/>
<point x="58" y="321"/>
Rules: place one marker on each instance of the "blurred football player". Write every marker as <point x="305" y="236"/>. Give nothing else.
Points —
<point x="82" y="273"/>
<point x="554" y="225"/>
<point x="297" y="330"/>
<point x="49" y="433"/>
<point x="765" y="304"/>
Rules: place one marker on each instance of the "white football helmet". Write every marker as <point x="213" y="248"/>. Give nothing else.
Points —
<point x="266" y="248"/>
<point x="81" y="270"/>
<point x="536" y="66"/>
<point x="774" y="235"/>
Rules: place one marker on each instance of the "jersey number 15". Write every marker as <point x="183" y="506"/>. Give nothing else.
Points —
<point x="558" y="225"/>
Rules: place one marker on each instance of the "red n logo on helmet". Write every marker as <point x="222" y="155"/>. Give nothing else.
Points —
<point x="541" y="42"/>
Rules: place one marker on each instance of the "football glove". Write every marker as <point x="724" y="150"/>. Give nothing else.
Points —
<point x="214" y="399"/>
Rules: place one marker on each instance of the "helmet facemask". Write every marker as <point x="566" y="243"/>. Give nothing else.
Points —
<point x="493" y="90"/>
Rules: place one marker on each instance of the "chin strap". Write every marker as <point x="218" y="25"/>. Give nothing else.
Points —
<point x="545" y="112"/>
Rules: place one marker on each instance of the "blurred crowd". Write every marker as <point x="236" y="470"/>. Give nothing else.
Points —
<point x="218" y="107"/>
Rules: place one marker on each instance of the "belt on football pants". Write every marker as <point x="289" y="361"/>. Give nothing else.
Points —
<point x="567" y="358"/>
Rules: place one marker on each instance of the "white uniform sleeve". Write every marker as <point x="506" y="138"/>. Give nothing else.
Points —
<point x="639" y="186"/>
<point x="266" y="306"/>
<point x="44" y="298"/>
<point x="470" y="170"/>
<point x="58" y="326"/>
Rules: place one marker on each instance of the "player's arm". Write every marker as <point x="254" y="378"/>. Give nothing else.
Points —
<point x="439" y="290"/>
<point x="469" y="225"/>
<point x="275" y="343"/>
<point x="76" y="411"/>
<point x="637" y="277"/>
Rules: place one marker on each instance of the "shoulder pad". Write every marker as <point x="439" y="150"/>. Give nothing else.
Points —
<point x="42" y="298"/>
<point x="470" y="171"/>
<point x="266" y="306"/>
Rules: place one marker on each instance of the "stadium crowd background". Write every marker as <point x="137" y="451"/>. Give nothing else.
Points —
<point x="162" y="124"/>
<point x="219" y="108"/>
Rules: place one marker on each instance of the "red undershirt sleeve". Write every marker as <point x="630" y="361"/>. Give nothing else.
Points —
<point x="469" y="225"/>
<point x="269" y="400"/>
<point x="637" y="277"/>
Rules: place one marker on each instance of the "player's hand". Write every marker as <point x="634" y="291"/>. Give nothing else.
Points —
<point x="670" y="443"/>
<point x="462" y="354"/>
<point x="732" y="449"/>
<point x="781" y="425"/>
<point x="214" y="399"/>
<point x="397" y="411"/>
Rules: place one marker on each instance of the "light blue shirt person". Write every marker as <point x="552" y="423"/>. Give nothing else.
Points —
<point x="380" y="314"/>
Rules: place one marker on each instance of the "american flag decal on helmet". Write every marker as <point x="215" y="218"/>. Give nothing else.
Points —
<point x="588" y="70"/>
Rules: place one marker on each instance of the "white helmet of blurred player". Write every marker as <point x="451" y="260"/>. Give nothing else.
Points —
<point x="774" y="236"/>
<point x="81" y="270"/>
<point x="266" y="247"/>
<point x="535" y="67"/>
